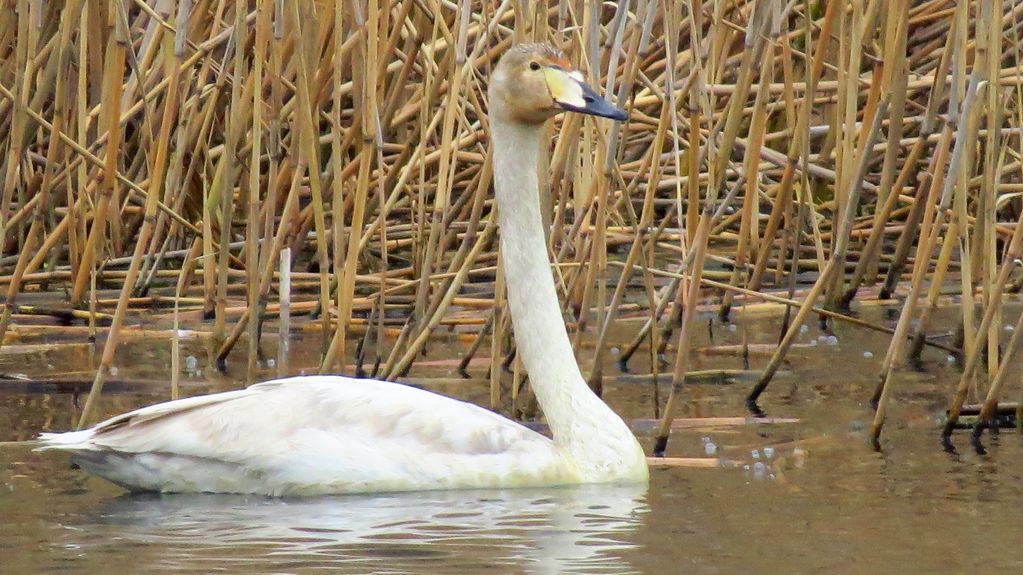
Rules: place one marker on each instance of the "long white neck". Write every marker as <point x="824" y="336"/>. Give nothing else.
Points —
<point x="580" y="422"/>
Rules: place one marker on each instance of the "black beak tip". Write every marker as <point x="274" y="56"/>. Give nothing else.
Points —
<point x="606" y="110"/>
<point x="601" y="108"/>
<point x="619" y="115"/>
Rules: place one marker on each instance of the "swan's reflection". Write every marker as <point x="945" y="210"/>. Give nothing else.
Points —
<point x="577" y="529"/>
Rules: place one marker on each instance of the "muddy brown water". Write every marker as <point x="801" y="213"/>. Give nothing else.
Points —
<point x="806" y="497"/>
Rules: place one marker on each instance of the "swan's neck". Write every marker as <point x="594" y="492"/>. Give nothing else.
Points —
<point x="580" y="422"/>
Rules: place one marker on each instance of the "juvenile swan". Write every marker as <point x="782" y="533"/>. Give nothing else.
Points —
<point x="330" y="434"/>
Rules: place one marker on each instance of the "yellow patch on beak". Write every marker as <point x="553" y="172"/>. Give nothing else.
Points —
<point x="565" y="88"/>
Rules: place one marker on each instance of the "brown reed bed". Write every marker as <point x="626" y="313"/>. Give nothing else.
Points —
<point x="230" y="162"/>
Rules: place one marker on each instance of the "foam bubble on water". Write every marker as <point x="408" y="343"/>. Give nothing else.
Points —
<point x="804" y="328"/>
<point x="951" y="359"/>
<point x="615" y="350"/>
<point x="756" y="454"/>
<point x="831" y="340"/>
<point x="1010" y="327"/>
<point x="799" y="457"/>
<point x="868" y="354"/>
<point x="768" y="452"/>
<point x="759" y="468"/>
<point x="706" y="439"/>
<point x="732" y="327"/>
<point x="113" y="370"/>
<point x="191" y="363"/>
<point x="710" y="449"/>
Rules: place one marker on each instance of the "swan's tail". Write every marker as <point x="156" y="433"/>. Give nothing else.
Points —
<point x="70" y="441"/>
<point x="119" y="468"/>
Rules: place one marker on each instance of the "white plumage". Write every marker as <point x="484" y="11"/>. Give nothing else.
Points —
<point x="332" y="434"/>
<point x="317" y="434"/>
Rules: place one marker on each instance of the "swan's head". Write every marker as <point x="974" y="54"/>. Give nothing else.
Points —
<point x="533" y="82"/>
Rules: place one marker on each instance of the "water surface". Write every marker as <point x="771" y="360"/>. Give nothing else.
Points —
<point x="806" y="497"/>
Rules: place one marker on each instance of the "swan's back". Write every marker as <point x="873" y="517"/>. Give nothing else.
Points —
<point x="317" y="434"/>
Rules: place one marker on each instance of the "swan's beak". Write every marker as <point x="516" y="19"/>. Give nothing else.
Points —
<point x="571" y="93"/>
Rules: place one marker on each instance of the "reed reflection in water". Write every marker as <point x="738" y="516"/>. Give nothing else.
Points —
<point x="567" y="530"/>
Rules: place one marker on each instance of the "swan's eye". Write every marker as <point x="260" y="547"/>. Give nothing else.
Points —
<point x="534" y="66"/>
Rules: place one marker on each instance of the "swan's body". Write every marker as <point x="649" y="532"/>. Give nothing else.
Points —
<point x="318" y="434"/>
<point x="329" y="434"/>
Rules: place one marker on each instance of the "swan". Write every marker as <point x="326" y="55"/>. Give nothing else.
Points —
<point x="324" y="434"/>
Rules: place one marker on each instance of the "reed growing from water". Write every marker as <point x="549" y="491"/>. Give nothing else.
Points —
<point x="177" y="151"/>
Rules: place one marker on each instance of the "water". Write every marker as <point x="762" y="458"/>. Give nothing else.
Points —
<point x="806" y="497"/>
<point x="580" y="530"/>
